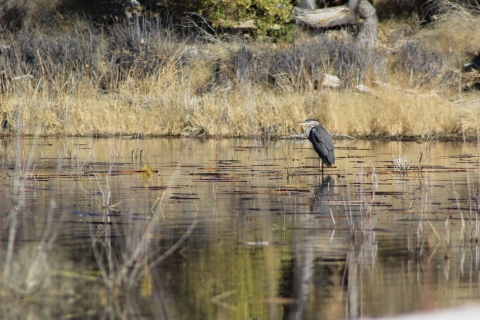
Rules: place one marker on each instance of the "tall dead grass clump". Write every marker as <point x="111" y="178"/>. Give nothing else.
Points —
<point x="455" y="31"/>
<point x="389" y="113"/>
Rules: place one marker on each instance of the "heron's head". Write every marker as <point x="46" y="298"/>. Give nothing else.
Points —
<point x="309" y="124"/>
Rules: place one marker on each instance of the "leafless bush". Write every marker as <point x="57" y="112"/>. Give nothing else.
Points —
<point x="423" y="65"/>
<point x="48" y="55"/>
<point x="308" y="61"/>
<point x="137" y="47"/>
<point x="14" y="14"/>
<point x="303" y="65"/>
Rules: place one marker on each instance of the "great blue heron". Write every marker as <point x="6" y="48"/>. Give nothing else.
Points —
<point x="321" y="141"/>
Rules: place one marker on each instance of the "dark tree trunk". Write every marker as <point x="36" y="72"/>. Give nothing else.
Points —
<point x="368" y="28"/>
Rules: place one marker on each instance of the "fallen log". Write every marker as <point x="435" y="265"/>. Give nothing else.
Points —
<point x="324" y="18"/>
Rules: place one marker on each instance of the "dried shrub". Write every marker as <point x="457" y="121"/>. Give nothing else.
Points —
<point x="423" y="65"/>
<point x="139" y="47"/>
<point x="133" y="48"/>
<point x="15" y="13"/>
<point x="303" y="65"/>
<point x="306" y="63"/>
<point x="40" y="56"/>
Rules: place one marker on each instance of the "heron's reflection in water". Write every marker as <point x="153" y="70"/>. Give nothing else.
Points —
<point x="322" y="193"/>
<point x="306" y="252"/>
<point x="325" y="260"/>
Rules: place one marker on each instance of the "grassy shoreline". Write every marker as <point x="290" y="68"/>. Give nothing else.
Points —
<point x="265" y="115"/>
<point x="142" y="79"/>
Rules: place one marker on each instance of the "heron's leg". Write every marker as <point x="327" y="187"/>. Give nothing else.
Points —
<point x="319" y="169"/>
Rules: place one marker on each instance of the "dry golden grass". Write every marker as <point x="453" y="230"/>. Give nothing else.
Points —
<point x="163" y="105"/>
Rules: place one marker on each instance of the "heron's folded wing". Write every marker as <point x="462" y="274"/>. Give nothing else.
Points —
<point x="323" y="143"/>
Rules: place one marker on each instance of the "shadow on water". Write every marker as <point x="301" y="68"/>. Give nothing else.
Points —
<point x="237" y="229"/>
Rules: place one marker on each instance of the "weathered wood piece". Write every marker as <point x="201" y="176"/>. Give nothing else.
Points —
<point x="324" y="18"/>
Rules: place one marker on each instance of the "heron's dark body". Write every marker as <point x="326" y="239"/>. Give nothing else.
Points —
<point x="323" y="144"/>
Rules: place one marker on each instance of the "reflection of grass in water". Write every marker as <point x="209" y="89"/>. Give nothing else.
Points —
<point x="234" y="281"/>
<point x="118" y="273"/>
<point x="36" y="278"/>
<point x="116" y="266"/>
<point x="44" y="282"/>
<point x="222" y="278"/>
<point x="470" y="227"/>
<point x="431" y="246"/>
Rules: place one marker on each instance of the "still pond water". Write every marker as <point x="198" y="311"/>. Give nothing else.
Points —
<point x="235" y="229"/>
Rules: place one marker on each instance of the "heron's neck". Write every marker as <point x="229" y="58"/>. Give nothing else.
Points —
<point x="308" y="128"/>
